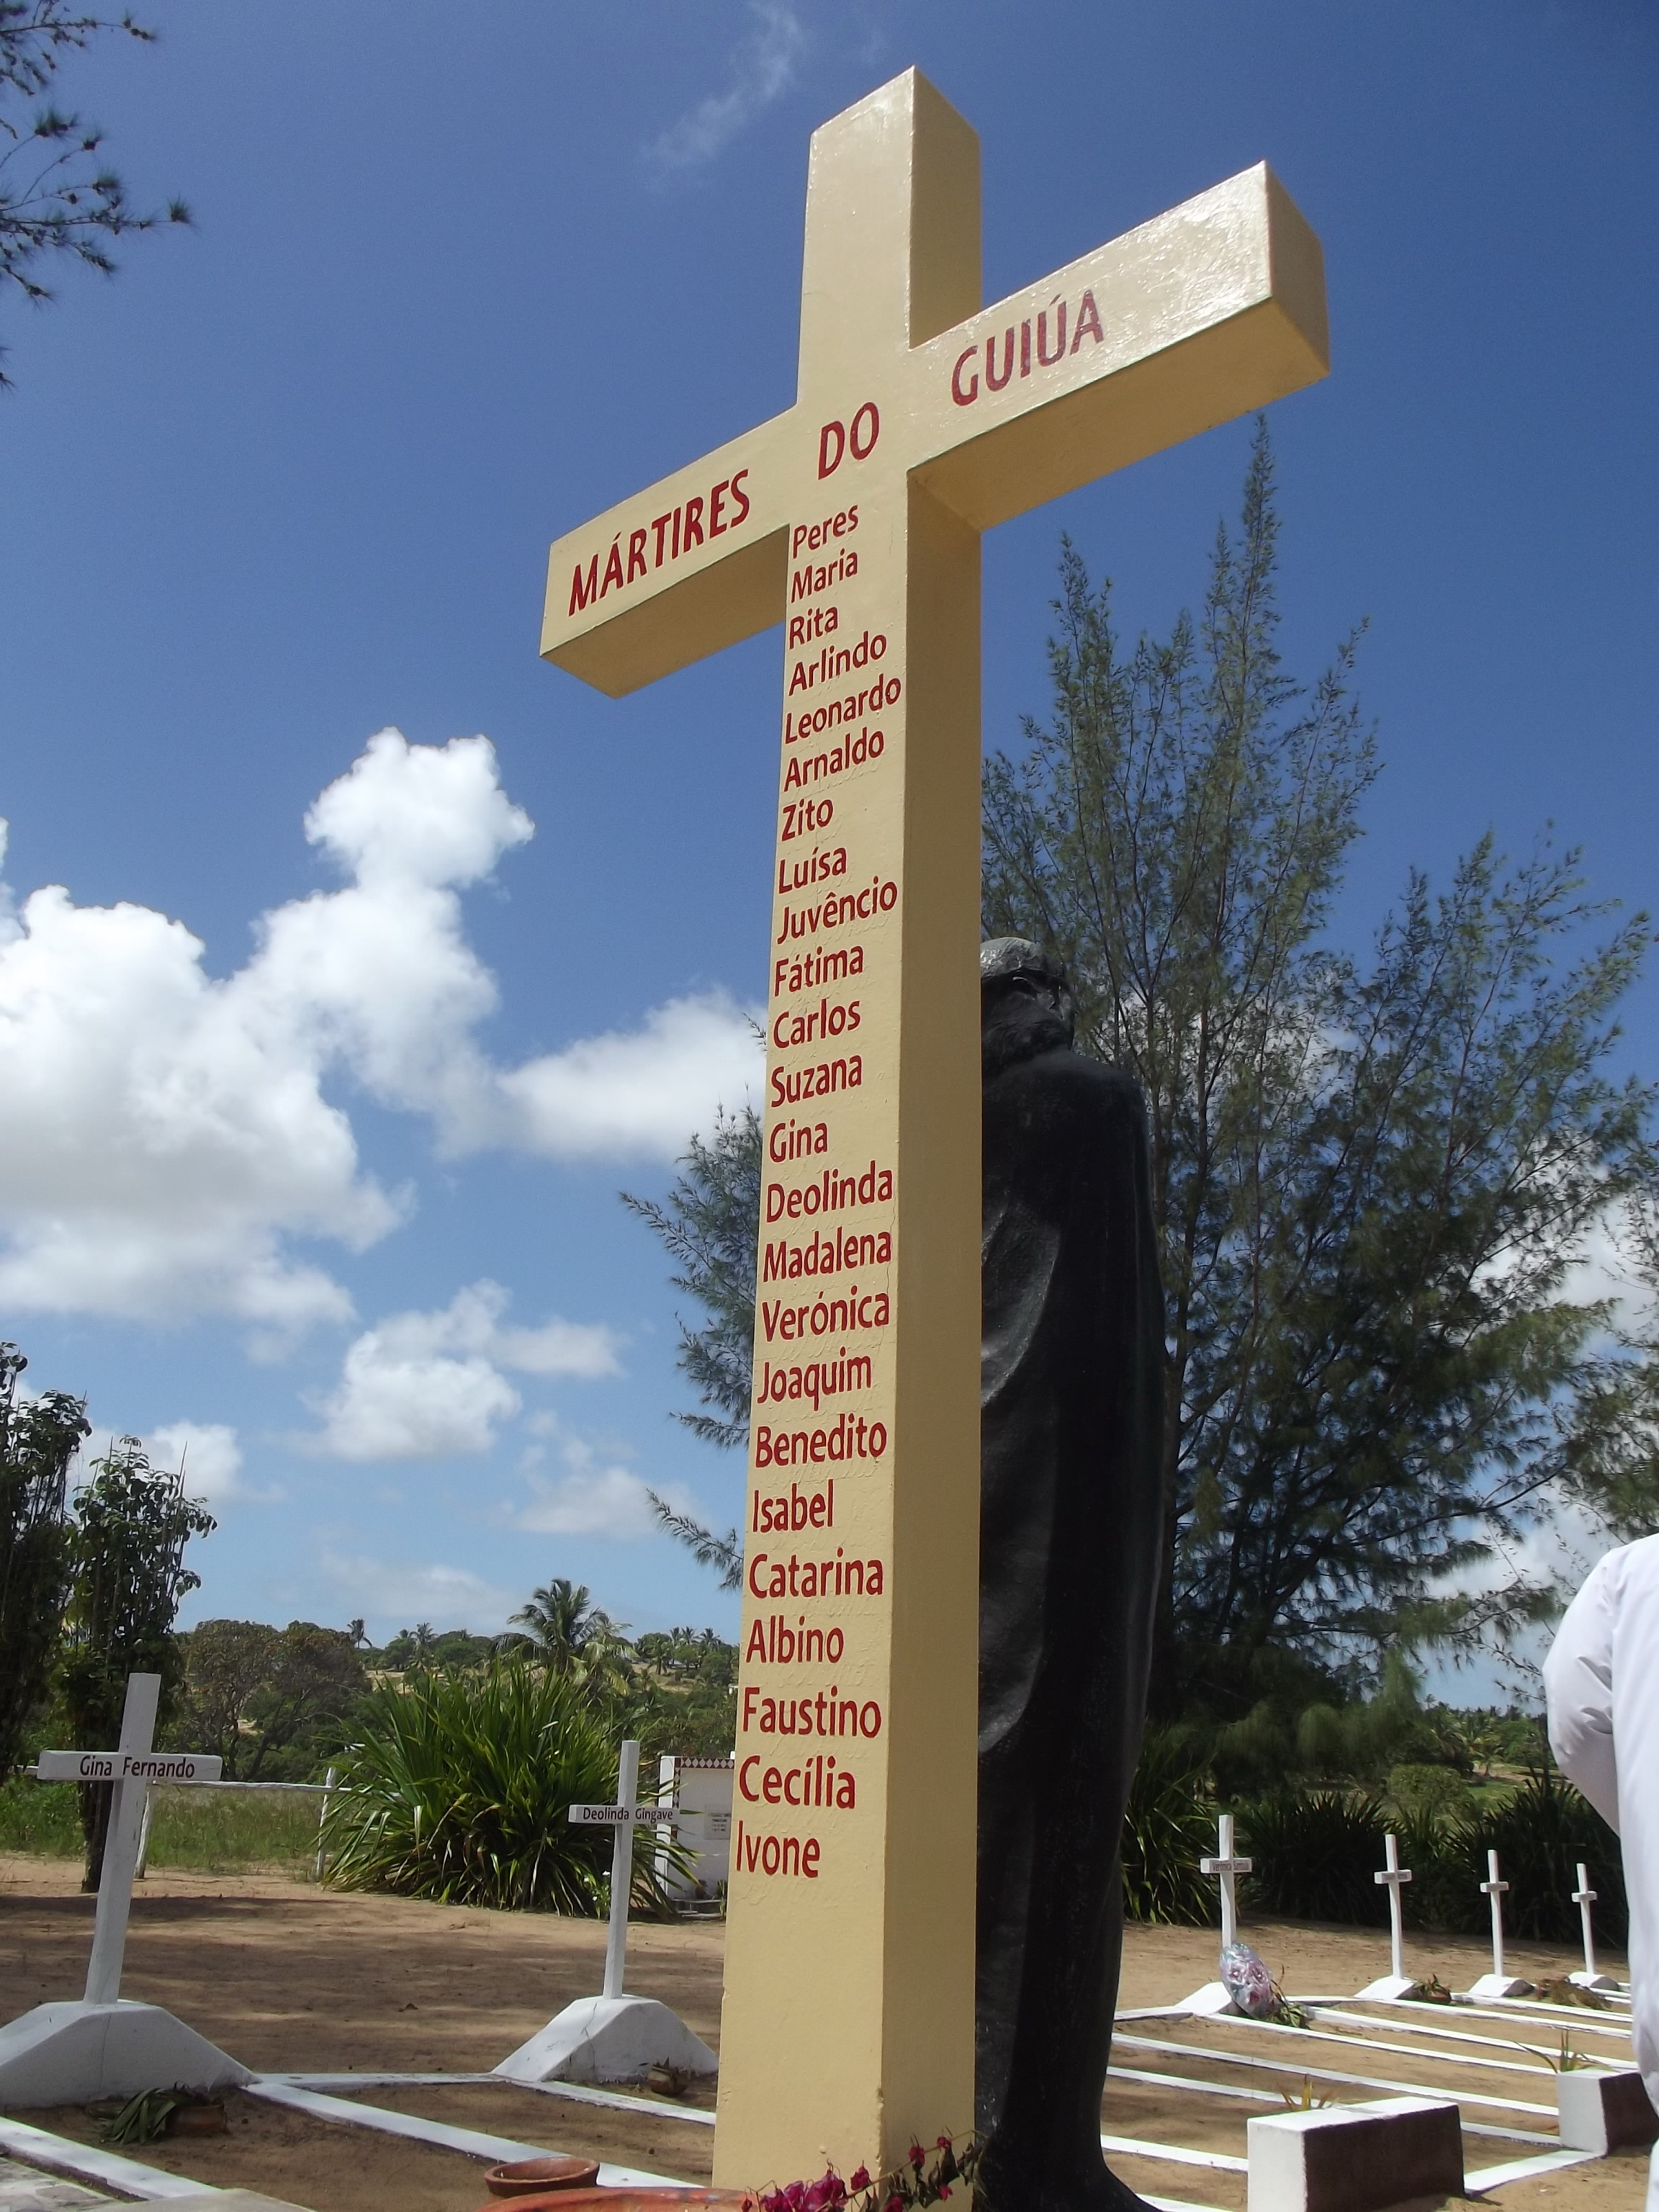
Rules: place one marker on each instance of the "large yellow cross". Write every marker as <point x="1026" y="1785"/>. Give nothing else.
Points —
<point x="920" y="419"/>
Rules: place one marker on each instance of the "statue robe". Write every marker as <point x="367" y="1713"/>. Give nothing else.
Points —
<point x="1071" y="1520"/>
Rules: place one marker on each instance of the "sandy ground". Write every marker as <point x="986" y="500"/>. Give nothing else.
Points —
<point x="292" y="1979"/>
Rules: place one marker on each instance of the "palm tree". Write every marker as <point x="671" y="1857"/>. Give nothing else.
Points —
<point x="558" y="1622"/>
<point x="607" y="1661"/>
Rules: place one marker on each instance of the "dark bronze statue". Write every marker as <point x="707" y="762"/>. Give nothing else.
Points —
<point x="1072" y="1409"/>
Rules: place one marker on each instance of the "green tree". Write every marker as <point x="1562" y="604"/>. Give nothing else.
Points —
<point x="709" y="1224"/>
<point x="55" y="196"/>
<point x="130" y="1524"/>
<point x="268" y="1700"/>
<point x="227" y="1663"/>
<point x="1370" y="1180"/>
<point x="557" y="1624"/>
<point x="38" y="1437"/>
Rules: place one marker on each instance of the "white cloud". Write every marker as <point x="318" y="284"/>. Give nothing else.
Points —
<point x="420" y="1384"/>
<point x="208" y="1453"/>
<point x="762" y="67"/>
<point x="396" y="1594"/>
<point x="637" y="1092"/>
<point x="164" y="1134"/>
<point x="590" y="1499"/>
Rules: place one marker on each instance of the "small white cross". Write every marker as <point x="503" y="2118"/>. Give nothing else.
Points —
<point x="624" y="1816"/>
<point x="1227" y="1868"/>
<point x="1393" y="1875"/>
<point x="1494" y="1889"/>
<point x="129" y="1770"/>
<point x="1583" y="1897"/>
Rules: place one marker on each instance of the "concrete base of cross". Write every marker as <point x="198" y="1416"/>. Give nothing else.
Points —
<point x="609" y="2039"/>
<point x="1213" y="1997"/>
<point x="1581" y="1980"/>
<point x="68" y="2053"/>
<point x="1389" y="1988"/>
<point x="1498" y="1986"/>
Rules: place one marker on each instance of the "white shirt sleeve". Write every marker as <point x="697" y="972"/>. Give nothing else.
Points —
<point x="1578" y="1685"/>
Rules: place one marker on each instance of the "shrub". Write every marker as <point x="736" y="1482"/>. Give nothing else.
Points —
<point x="38" y="1817"/>
<point x="1316" y="1853"/>
<point x="1540" y="1835"/>
<point x="1169" y="1826"/>
<point x="460" y="1789"/>
<point x="1435" y="1791"/>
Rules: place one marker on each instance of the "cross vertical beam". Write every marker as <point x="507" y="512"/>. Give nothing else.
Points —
<point x="1583" y="1897"/>
<point x="621" y="1868"/>
<point x="869" y="1886"/>
<point x="1393" y="1876"/>
<point x="126" y="1815"/>
<point x="1493" y="1890"/>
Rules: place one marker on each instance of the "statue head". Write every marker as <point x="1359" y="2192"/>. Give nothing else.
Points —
<point x="1024" y="1005"/>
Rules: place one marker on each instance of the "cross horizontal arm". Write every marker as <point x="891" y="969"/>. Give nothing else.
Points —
<point x="694" y="564"/>
<point x="1194" y="319"/>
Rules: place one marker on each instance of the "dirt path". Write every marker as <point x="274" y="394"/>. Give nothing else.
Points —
<point x="292" y="1979"/>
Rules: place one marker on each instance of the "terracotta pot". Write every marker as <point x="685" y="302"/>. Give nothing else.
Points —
<point x="629" y="2200"/>
<point x="536" y="2177"/>
<point x="197" y="2120"/>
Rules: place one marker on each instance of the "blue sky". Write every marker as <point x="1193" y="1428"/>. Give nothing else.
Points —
<point x="459" y="280"/>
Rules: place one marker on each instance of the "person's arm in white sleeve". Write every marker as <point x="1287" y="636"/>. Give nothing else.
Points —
<point x="1578" y="1685"/>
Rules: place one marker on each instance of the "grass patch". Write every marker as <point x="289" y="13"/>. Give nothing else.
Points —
<point x="40" y="1817"/>
<point x="204" y="1830"/>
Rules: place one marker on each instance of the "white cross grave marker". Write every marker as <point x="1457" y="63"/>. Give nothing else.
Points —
<point x="1583" y="1897"/>
<point x="613" y="2037"/>
<point x="1393" y="1986"/>
<point x="47" y="2057"/>
<point x="624" y="1816"/>
<point x="130" y="1768"/>
<point x="1226" y="1867"/>
<point x="1498" y="1984"/>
